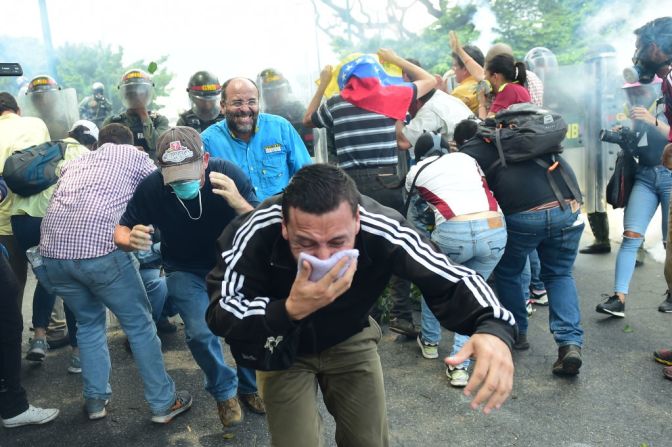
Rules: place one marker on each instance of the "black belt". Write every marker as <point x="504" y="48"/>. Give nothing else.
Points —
<point x="373" y="170"/>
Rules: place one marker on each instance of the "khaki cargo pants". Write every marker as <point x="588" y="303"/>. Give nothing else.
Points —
<point x="351" y="380"/>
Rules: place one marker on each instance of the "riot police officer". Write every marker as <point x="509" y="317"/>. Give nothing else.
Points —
<point x="204" y="93"/>
<point x="277" y="99"/>
<point x="95" y="108"/>
<point x="137" y="91"/>
<point x="56" y="106"/>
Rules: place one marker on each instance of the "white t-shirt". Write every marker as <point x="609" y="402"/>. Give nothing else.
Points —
<point x="453" y="185"/>
<point x="440" y="113"/>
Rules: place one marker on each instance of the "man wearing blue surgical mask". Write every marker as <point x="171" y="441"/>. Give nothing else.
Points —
<point x="190" y="200"/>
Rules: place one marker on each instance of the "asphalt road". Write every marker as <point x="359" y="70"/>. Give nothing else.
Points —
<point x="620" y="398"/>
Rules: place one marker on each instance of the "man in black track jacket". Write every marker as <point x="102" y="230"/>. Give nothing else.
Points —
<point x="299" y="333"/>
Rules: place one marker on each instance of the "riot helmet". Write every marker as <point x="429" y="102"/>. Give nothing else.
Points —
<point x="136" y="89"/>
<point x="204" y="93"/>
<point x="98" y="90"/>
<point x="42" y="94"/>
<point x="42" y="84"/>
<point x="57" y="107"/>
<point x="541" y="61"/>
<point x="274" y="88"/>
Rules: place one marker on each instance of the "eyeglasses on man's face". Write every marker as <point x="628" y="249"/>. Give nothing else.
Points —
<point x="239" y="103"/>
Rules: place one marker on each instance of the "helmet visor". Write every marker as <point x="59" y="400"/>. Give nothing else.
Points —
<point x="136" y="96"/>
<point x="206" y="108"/>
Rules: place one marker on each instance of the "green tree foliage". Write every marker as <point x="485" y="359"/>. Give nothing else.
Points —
<point x="430" y="47"/>
<point x="554" y="24"/>
<point x="79" y="66"/>
<point x="433" y="48"/>
<point x="559" y="25"/>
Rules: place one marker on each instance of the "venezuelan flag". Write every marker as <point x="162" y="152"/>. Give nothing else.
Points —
<point x="362" y="81"/>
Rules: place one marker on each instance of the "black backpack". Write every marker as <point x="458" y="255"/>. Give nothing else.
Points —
<point x="528" y="132"/>
<point x="33" y="169"/>
<point x="524" y="132"/>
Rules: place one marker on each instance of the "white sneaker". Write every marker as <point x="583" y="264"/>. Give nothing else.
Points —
<point x="529" y="308"/>
<point x="539" y="297"/>
<point x="458" y="377"/>
<point x="429" y="350"/>
<point x="32" y="416"/>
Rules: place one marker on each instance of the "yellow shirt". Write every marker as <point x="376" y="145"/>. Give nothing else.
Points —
<point x="466" y="92"/>
<point x="16" y="133"/>
<point x="36" y="205"/>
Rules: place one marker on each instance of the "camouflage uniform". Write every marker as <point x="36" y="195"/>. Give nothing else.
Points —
<point x="144" y="134"/>
<point x="95" y="110"/>
<point x="190" y="119"/>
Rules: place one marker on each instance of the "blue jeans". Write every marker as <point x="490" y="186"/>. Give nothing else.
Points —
<point x="531" y="274"/>
<point x="88" y="286"/>
<point x="474" y="244"/>
<point x="555" y="234"/>
<point x="188" y="293"/>
<point x="157" y="291"/>
<point x="652" y="187"/>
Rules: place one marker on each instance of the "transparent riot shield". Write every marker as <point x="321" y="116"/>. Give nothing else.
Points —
<point x="58" y="109"/>
<point x="604" y="100"/>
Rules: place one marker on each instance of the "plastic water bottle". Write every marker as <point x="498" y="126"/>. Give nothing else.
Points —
<point x="37" y="263"/>
<point x="34" y="257"/>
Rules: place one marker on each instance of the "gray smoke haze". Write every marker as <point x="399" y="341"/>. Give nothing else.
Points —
<point x="234" y="38"/>
<point x="615" y="25"/>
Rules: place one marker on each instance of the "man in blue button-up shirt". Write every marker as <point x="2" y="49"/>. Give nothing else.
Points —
<point x="266" y="147"/>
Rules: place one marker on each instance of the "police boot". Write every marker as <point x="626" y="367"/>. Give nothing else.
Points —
<point x="600" y="226"/>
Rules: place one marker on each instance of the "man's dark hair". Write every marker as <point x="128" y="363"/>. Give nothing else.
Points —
<point x="115" y="133"/>
<point x="658" y="31"/>
<point x="465" y="130"/>
<point x="8" y="103"/>
<point x="319" y="189"/>
<point x="228" y="81"/>
<point x="473" y="51"/>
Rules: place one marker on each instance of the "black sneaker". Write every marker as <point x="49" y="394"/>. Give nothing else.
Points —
<point x="569" y="361"/>
<point x="596" y="248"/>
<point x="165" y="326"/>
<point x="404" y="327"/>
<point x="521" y="343"/>
<point x="612" y="306"/>
<point x="666" y="306"/>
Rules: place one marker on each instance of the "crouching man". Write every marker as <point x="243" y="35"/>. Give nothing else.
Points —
<point x="300" y="331"/>
<point x="190" y="199"/>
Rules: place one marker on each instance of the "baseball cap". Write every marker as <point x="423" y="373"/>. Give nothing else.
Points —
<point x="91" y="128"/>
<point x="179" y="152"/>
